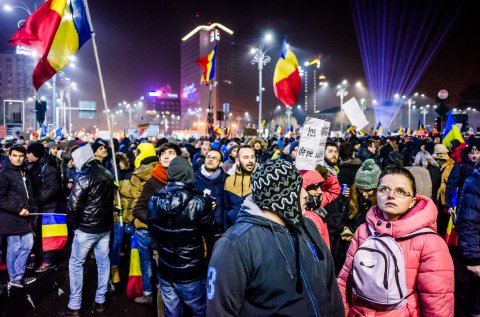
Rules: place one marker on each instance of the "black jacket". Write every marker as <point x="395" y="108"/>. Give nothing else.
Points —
<point x="253" y="272"/>
<point x="90" y="205"/>
<point x="178" y="217"/>
<point x="46" y="184"/>
<point x="15" y="194"/>
<point x="348" y="170"/>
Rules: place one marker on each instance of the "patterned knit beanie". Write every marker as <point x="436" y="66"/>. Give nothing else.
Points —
<point x="368" y="175"/>
<point x="276" y="187"/>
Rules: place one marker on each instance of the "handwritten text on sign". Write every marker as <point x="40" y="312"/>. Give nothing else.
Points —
<point x="311" y="150"/>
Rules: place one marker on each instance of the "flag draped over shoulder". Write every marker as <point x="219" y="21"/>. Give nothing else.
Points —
<point x="286" y="78"/>
<point x="451" y="132"/>
<point x="54" y="32"/>
<point x="207" y="63"/>
<point x="134" y="283"/>
<point x="54" y="231"/>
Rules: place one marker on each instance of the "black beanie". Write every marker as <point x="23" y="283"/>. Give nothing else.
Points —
<point x="180" y="170"/>
<point x="37" y="149"/>
<point x="98" y="143"/>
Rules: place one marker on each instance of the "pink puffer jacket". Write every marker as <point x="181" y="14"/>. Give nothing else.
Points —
<point x="428" y="264"/>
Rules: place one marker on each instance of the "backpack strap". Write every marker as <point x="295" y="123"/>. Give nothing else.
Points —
<point x="416" y="233"/>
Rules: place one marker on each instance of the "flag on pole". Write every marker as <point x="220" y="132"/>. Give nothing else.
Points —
<point x="451" y="132"/>
<point x="55" y="32"/>
<point x="134" y="283"/>
<point x="380" y="128"/>
<point x="56" y="133"/>
<point x="218" y="131"/>
<point x="420" y="126"/>
<point x="286" y="78"/>
<point x="207" y="63"/>
<point x="37" y="133"/>
<point x="54" y="231"/>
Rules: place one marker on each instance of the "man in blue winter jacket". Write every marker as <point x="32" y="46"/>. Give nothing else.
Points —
<point x="272" y="261"/>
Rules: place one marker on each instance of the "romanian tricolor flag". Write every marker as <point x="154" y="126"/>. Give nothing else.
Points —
<point x="286" y="78"/>
<point x="420" y="126"/>
<point x="207" y="63"/>
<point x="451" y="132"/>
<point x="361" y="132"/>
<point x="409" y="131"/>
<point x="56" y="133"/>
<point x="37" y="133"/>
<point x="134" y="283"/>
<point x="380" y="128"/>
<point x="54" y="32"/>
<point x="218" y="131"/>
<point x="54" y="231"/>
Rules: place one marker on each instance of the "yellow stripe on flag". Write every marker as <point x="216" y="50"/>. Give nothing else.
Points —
<point x="54" y="230"/>
<point x="134" y="263"/>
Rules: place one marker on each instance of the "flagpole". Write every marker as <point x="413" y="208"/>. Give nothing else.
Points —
<point x="45" y="213"/>
<point x="105" y="104"/>
<point x="209" y="112"/>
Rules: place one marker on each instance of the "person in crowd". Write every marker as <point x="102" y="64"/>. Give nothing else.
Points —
<point x="237" y="186"/>
<point x="362" y="198"/>
<point x="145" y="163"/>
<point x="293" y="150"/>
<point x="232" y="149"/>
<point x="446" y="163"/>
<point x="120" y="229"/>
<point x="331" y="158"/>
<point x="100" y="150"/>
<point x="367" y="150"/>
<point x="16" y="203"/>
<point x="423" y="182"/>
<point x="166" y="153"/>
<point x="259" y="145"/>
<point x="312" y="182"/>
<point x="425" y="159"/>
<point x="52" y="150"/>
<point x="90" y="212"/>
<point x="467" y="227"/>
<point x="178" y="218"/>
<point x="460" y="172"/>
<point x="210" y="180"/>
<point x="268" y="234"/>
<point x="190" y="146"/>
<point x="47" y="194"/>
<point x="199" y="158"/>
<point x="428" y="268"/>
<point x="349" y="165"/>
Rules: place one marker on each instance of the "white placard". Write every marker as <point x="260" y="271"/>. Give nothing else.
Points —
<point x="311" y="150"/>
<point x="355" y="114"/>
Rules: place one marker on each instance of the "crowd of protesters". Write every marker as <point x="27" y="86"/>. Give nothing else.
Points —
<point x="232" y="228"/>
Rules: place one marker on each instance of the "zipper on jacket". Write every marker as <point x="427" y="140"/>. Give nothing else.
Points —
<point x="25" y="183"/>
<point x="396" y="265"/>
<point x="385" y="280"/>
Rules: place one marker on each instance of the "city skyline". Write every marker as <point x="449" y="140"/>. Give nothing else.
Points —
<point x="140" y="47"/>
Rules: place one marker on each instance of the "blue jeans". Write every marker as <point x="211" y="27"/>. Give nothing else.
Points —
<point x="82" y="243"/>
<point x="18" y="249"/>
<point x="144" y="242"/>
<point x="118" y="235"/>
<point x="193" y="294"/>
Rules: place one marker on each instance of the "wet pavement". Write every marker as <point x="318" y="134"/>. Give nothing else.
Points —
<point x="49" y="293"/>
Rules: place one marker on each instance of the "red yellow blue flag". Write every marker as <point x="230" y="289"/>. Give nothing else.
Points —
<point x="134" y="283"/>
<point x="286" y="78"/>
<point x="54" y="231"/>
<point x="207" y="63"/>
<point x="451" y="131"/>
<point x="54" y="32"/>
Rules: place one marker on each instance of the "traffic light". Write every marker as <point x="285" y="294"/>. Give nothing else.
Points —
<point x="40" y="109"/>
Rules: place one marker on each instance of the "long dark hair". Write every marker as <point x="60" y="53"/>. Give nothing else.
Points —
<point x="353" y="206"/>
<point x="393" y="169"/>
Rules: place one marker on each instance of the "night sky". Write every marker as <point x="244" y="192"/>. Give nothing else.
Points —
<point x="139" y="44"/>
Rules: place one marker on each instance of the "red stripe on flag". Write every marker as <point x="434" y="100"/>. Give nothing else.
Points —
<point x="288" y="89"/>
<point x="43" y="72"/>
<point x="53" y="243"/>
<point x="134" y="287"/>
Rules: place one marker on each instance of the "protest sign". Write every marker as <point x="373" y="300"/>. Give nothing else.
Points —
<point x="355" y="114"/>
<point x="311" y="150"/>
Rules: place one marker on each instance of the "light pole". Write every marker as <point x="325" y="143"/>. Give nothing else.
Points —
<point x="342" y="92"/>
<point x="261" y="59"/>
<point x="409" y="101"/>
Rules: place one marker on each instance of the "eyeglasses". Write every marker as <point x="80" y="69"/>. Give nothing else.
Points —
<point x="214" y="158"/>
<point x="399" y="192"/>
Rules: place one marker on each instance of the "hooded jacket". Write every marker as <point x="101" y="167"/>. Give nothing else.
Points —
<point x="252" y="271"/>
<point x="178" y="217"/>
<point x="46" y="184"/>
<point x="460" y="172"/>
<point x="428" y="264"/>
<point x="15" y="194"/>
<point x="468" y="219"/>
<point x="90" y="205"/>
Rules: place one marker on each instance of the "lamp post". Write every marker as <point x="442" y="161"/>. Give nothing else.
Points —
<point x="342" y="92"/>
<point x="409" y="101"/>
<point x="261" y="59"/>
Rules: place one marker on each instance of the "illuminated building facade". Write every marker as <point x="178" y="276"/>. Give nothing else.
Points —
<point x="193" y="95"/>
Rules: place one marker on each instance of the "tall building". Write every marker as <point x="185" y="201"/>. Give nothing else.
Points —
<point x="163" y="108"/>
<point x="193" y="95"/>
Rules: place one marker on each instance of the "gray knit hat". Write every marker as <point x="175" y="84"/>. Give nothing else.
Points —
<point x="180" y="170"/>
<point x="368" y="175"/>
<point x="276" y="187"/>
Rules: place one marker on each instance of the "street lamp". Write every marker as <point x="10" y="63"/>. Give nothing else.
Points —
<point x="342" y="92"/>
<point x="409" y="101"/>
<point x="261" y="59"/>
<point x="9" y="8"/>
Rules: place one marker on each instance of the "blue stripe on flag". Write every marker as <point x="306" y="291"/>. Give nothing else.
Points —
<point x="54" y="219"/>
